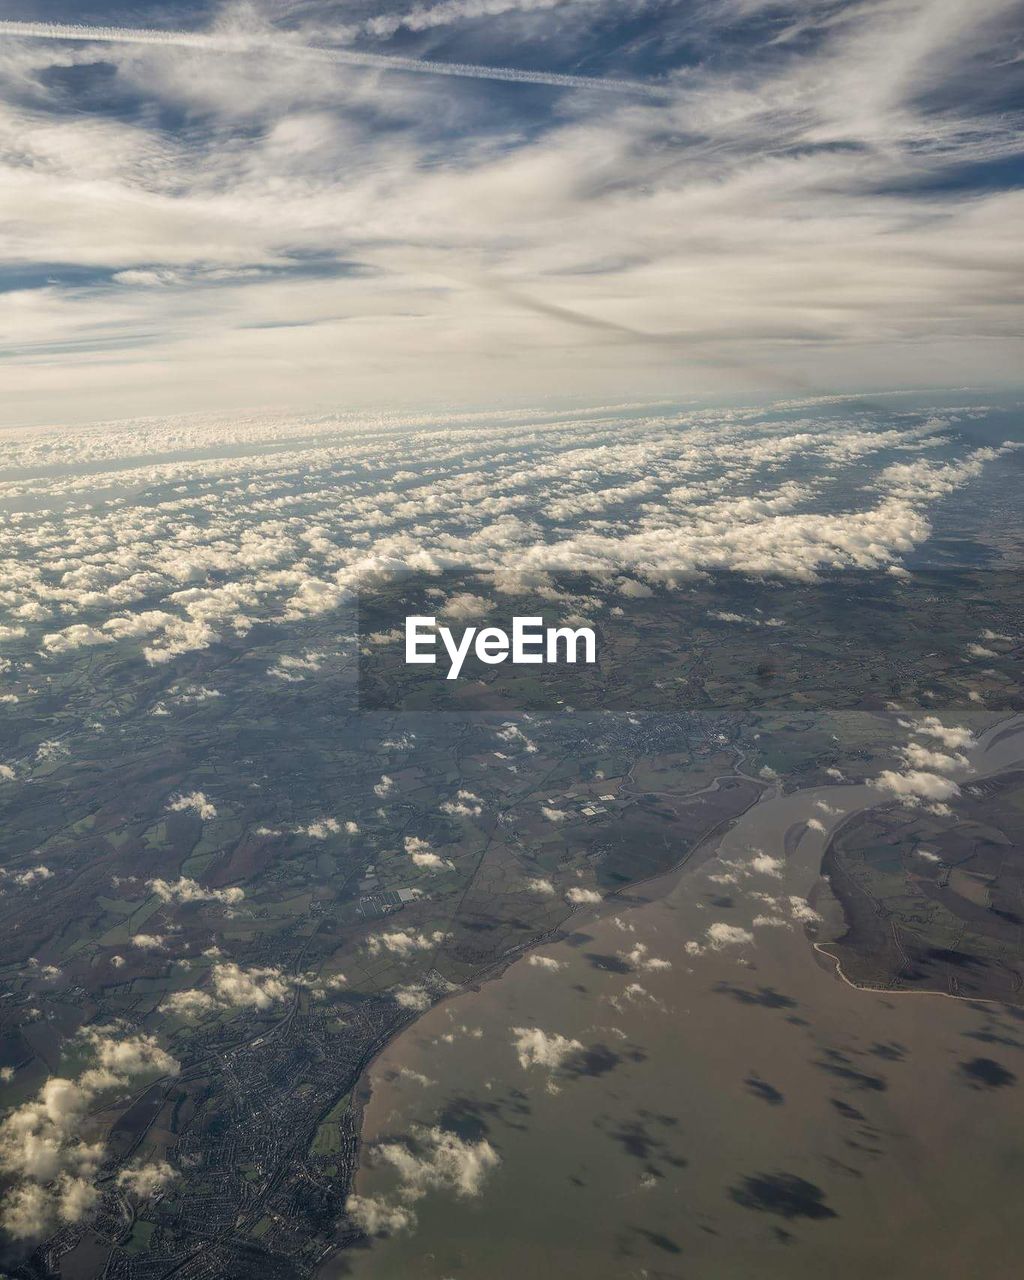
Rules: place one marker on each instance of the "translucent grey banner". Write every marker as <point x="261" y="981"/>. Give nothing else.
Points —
<point x="504" y="642"/>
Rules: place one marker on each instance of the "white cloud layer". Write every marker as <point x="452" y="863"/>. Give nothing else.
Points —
<point x="191" y="548"/>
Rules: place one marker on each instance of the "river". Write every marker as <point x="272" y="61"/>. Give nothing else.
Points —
<point x="743" y="1113"/>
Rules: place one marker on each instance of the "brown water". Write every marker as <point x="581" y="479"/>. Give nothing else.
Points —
<point x="747" y="1114"/>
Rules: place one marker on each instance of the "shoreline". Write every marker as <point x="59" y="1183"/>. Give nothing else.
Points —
<point x="820" y="948"/>
<point x="362" y="1092"/>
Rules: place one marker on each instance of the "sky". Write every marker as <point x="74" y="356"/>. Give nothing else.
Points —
<point x="293" y="204"/>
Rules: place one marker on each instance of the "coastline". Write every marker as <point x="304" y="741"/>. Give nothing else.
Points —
<point x="628" y="900"/>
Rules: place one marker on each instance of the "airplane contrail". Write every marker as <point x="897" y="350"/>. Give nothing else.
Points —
<point x="223" y="42"/>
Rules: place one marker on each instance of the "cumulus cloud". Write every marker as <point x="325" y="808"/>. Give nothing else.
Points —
<point x="537" y="1048"/>
<point x="922" y="782"/>
<point x="427" y="860"/>
<point x="736" y="870"/>
<point x="953" y="737"/>
<point x="235" y="987"/>
<point x="429" y="1159"/>
<point x="75" y="637"/>
<point x="465" y="805"/>
<point x="771" y="922"/>
<point x="582" y="897"/>
<point x="25" y="879"/>
<point x="465" y="605"/>
<point x="42" y="1151"/>
<point x="293" y="670"/>
<point x="145" y="1179"/>
<point x="801" y="910"/>
<point x="424" y="857"/>
<point x="149" y="941"/>
<point x="376" y="1216"/>
<point x="196" y="801"/>
<point x="639" y="957"/>
<point x="437" y="1159"/>
<point x="919" y="757"/>
<point x="981" y="651"/>
<point x="256" y="988"/>
<point x="764" y="864"/>
<point x="151" y="581"/>
<point x="189" y="1004"/>
<point x="404" y="943"/>
<point x="721" y="935"/>
<point x="917" y="784"/>
<point x="416" y="1077"/>
<point x="540" y="885"/>
<point x="30" y="1210"/>
<point x="513" y="736"/>
<point x="324" y="984"/>
<point x="414" y="997"/>
<point x="186" y="890"/>
<point x="321" y="829"/>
